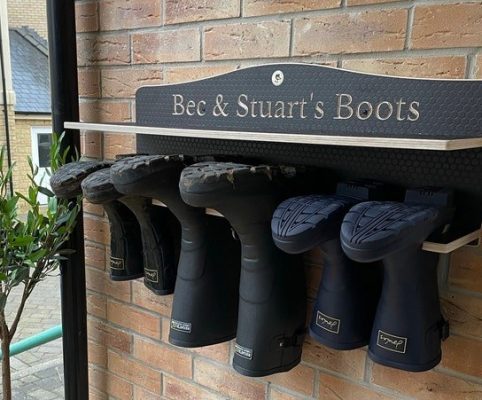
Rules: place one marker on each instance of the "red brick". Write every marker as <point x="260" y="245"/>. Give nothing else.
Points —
<point x="362" y="32"/>
<point x="478" y="67"/>
<point x="96" y="395"/>
<point x="184" y="74"/>
<point x="176" y="389"/>
<point x="134" y="372"/>
<point x="109" y="336"/>
<point x="124" y="82"/>
<point x="126" y="14"/>
<point x="464" y="314"/>
<point x="278" y="395"/>
<point x="94" y="209"/>
<point x="101" y="283"/>
<point x="333" y="388"/>
<point x="447" y="25"/>
<point x="218" y="352"/>
<point x="264" y="7"/>
<point x="96" y="305"/>
<point x="143" y="297"/>
<point x="131" y="318"/>
<point x="115" y="144"/>
<point x="178" y="11"/>
<point x="142" y="394"/>
<point x="300" y="379"/>
<point x="103" y="50"/>
<point x="163" y="357"/>
<point x="364" y="2"/>
<point x="248" y="40"/>
<point x="466" y="269"/>
<point x="91" y="144"/>
<point x="169" y="46"/>
<point x="429" y="385"/>
<point x="227" y="382"/>
<point x="350" y="363"/>
<point x="94" y="255"/>
<point x="314" y="256"/>
<point x="86" y="17"/>
<point x="89" y="82"/>
<point x="101" y="111"/>
<point x="97" y="354"/>
<point x="421" y="67"/>
<point x="110" y="384"/>
<point x="95" y="229"/>
<point x="463" y="355"/>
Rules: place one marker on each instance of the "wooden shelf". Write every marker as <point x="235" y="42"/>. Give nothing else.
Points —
<point x="328" y="140"/>
<point x="432" y="246"/>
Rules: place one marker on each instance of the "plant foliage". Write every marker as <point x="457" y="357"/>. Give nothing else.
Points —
<point x="32" y="243"/>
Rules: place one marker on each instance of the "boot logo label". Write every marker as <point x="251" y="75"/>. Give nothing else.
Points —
<point x="151" y="275"/>
<point x="117" y="263"/>
<point x="243" y="351"/>
<point x="391" y="342"/>
<point x="181" y="326"/>
<point x="328" y="323"/>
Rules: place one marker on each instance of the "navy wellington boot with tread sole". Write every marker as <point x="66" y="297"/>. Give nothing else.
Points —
<point x="348" y="293"/>
<point x="125" y="233"/>
<point x="408" y="326"/>
<point x="205" y="303"/>
<point x="272" y="297"/>
<point x="160" y="231"/>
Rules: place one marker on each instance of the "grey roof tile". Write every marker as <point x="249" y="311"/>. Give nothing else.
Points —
<point x="30" y="71"/>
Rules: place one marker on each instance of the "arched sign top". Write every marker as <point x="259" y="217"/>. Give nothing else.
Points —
<point x="316" y="100"/>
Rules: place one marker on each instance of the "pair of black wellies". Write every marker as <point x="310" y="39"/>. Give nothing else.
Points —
<point x="262" y="301"/>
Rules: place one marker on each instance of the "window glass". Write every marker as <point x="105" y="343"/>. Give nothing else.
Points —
<point x="44" y="142"/>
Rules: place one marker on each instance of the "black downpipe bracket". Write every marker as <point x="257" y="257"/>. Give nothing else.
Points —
<point x="65" y="107"/>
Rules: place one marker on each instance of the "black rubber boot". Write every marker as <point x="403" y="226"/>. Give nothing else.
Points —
<point x="272" y="304"/>
<point x="160" y="231"/>
<point x="348" y="293"/>
<point x="408" y="326"/>
<point x="125" y="233"/>
<point x="205" y="304"/>
<point x="66" y="181"/>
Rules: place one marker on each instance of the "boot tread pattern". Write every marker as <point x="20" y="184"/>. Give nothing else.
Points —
<point x="65" y="182"/>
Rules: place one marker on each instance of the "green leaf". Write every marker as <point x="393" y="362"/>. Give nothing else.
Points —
<point x="46" y="191"/>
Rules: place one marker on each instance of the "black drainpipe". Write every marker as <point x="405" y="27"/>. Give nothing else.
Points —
<point x="65" y="107"/>
<point x="5" y="111"/>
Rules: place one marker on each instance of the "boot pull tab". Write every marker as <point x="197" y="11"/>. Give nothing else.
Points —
<point x="293" y="341"/>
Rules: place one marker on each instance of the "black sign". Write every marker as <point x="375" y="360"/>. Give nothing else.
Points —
<point x="311" y="99"/>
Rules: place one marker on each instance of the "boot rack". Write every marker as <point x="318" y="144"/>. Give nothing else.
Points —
<point x="332" y="126"/>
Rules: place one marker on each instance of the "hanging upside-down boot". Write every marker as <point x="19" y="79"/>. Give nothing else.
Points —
<point x="348" y="292"/>
<point x="125" y="233"/>
<point x="160" y="230"/>
<point x="205" y="304"/>
<point x="272" y="304"/>
<point x="408" y="326"/>
<point x="66" y="181"/>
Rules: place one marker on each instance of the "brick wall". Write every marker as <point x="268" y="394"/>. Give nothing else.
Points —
<point x="21" y="148"/>
<point x="124" y="44"/>
<point x="32" y="13"/>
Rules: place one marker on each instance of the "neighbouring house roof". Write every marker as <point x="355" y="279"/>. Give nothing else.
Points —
<point x="30" y="71"/>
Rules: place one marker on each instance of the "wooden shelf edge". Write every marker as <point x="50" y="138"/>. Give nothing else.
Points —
<point x="433" y="247"/>
<point x="445" y="248"/>
<point x="353" y="141"/>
